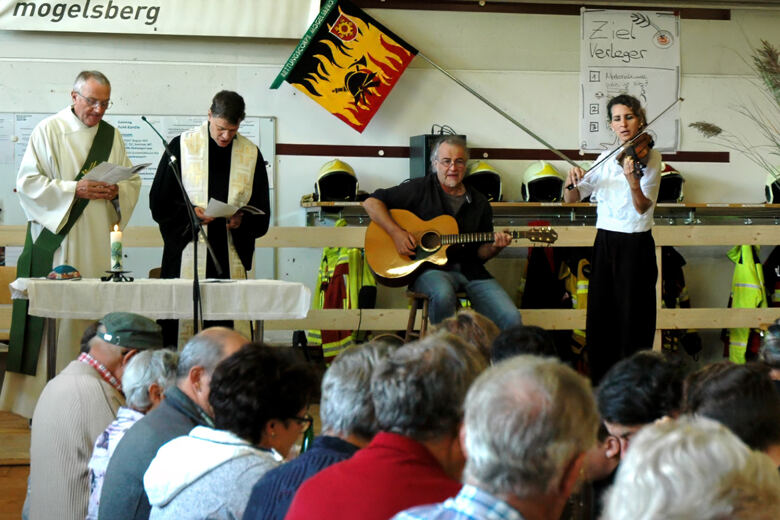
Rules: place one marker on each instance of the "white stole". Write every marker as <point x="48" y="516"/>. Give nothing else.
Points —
<point x="195" y="177"/>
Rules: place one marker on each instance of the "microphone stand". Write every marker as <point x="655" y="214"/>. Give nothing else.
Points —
<point x="195" y="227"/>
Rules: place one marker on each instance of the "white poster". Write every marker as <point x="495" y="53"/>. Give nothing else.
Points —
<point x="234" y="18"/>
<point x="20" y="134"/>
<point x="6" y="142"/>
<point x="629" y="52"/>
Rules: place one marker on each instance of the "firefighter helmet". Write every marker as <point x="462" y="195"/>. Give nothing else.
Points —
<point x="485" y="179"/>
<point x="772" y="188"/>
<point x="671" y="188"/>
<point x="336" y="182"/>
<point x="542" y="183"/>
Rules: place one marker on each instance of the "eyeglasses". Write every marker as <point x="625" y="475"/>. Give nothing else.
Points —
<point x="447" y="162"/>
<point x="95" y="102"/>
<point x="305" y="421"/>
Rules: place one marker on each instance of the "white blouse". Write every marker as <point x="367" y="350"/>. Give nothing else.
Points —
<point x="608" y="186"/>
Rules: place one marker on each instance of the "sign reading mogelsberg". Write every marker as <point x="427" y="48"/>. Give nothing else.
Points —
<point x="234" y="18"/>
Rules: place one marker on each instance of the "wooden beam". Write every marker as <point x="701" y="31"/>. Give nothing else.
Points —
<point x="572" y="8"/>
<point x="395" y="319"/>
<point x="549" y="319"/>
<point x="717" y="318"/>
<point x="352" y="236"/>
<point x="715" y="235"/>
<point x="12" y="235"/>
<point x="518" y="154"/>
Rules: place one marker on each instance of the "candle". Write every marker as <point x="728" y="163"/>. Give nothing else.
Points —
<point x="116" y="249"/>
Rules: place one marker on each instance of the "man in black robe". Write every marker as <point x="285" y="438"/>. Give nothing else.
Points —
<point x="169" y="210"/>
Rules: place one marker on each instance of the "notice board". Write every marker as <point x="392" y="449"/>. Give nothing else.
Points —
<point x="629" y="52"/>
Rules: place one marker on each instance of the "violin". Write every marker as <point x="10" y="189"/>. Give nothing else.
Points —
<point x="638" y="151"/>
<point x="638" y="147"/>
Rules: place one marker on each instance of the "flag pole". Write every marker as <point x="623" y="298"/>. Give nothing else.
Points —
<point x="497" y="109"/>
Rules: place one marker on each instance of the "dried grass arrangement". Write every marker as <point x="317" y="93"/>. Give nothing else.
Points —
<point x="765" y="62"/>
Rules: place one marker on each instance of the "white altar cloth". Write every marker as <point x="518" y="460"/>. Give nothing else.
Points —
<point x="164" y="299"/>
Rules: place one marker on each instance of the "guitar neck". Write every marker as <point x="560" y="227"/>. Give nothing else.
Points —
<point x="485" y="236"/>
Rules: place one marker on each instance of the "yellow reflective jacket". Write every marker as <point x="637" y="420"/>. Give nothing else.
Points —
<point x="747" y="292"/>
<point x="343" y="272"/>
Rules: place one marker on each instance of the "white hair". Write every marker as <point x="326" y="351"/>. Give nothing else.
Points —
<point x="346" y="406"/>
<point x="526" y="419"/>
<point x="693" y="467"/>
<point x="205" y="349"/>
<point x="143" y="369"/>
<point x="86" y="75"/>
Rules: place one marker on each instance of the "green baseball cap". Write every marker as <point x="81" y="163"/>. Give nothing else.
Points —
<point x="130" y="330"/>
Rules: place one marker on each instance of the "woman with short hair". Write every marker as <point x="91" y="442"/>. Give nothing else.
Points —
<point x="260" y="396"/>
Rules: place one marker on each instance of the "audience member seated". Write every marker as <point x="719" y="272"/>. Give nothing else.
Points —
<point x="416" y="457"/>
<point x="147" y="376"/>
<point x="770" y="352"/>
<point x="185" y="406"/>
<point x="74" y="408"/>
<point x="89" y="333"/>
<point x="260" y="398"/>
<point x="598" y="471"/>
<point x="693" y="468"/>
<point x="635" y="392"/>
<point x="742" y="398"/>
<point x="472" y="327"/>
<point x="522" y="339"/>
<point x="348" y="424"/>
<point x="528" y="424"/>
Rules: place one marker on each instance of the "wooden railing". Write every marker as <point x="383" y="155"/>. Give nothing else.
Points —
<point x="551" y="319"/>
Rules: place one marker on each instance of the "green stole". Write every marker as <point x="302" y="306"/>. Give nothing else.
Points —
<point x="36" y="260"/>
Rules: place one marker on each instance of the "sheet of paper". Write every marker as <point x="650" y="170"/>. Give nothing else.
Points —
<point x="113" y="173"/>
<point x="217" y="209"/>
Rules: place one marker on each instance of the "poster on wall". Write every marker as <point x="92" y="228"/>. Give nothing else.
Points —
<point x="629" y="52"/>
<point x="141" y="143"/>
<point x="233" y="18"/>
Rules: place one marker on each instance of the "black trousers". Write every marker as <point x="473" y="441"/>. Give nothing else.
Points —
<point x="621" y="298"/>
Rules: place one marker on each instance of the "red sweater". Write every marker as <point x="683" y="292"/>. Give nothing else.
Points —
<point x="389" y="475"/>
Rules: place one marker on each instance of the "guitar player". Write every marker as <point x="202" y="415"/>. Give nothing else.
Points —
<point x="444" y="193"/>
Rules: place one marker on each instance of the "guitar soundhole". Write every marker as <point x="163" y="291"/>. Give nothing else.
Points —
<point x="430" y="241"/>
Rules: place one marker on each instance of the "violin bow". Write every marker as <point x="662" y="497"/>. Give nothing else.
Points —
<point x="501" y="112"/>
<point x="628" y="143"/>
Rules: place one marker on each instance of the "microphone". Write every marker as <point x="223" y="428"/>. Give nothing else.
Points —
<point x="194" y="227"/>
<point x="171" y="157"/>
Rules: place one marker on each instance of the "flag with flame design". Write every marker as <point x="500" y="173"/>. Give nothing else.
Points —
<point x="347" y="62"/>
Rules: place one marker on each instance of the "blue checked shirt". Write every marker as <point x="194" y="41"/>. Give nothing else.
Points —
<point x="471" y="503"/>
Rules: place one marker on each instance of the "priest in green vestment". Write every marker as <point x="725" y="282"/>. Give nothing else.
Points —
<point x="74" y="216"/>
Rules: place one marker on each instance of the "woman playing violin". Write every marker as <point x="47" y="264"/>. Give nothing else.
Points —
<point x="621" y="293"/>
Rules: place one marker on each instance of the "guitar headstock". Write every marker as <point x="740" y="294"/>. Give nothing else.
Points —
<point x="542" y="234"/>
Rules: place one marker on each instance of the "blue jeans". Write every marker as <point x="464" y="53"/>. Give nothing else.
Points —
<point x="487" y="297"/>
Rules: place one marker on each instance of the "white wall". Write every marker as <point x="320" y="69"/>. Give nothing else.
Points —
<point x="527" y="64"/>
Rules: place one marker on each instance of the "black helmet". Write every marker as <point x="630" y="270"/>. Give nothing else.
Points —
<point x="772" y="189"/>
<point x="336" y="182"/>
<point x="485" y="179"/>
<point x="542" y="183"/>
<point x="671" y="187"/>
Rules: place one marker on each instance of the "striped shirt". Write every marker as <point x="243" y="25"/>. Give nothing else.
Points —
<point x="470" y="503"/>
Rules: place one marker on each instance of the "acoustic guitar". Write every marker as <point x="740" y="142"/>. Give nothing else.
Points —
<point x="433" y="238"/>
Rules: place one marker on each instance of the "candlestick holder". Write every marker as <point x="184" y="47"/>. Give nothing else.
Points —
<point x="117" y="276"/>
